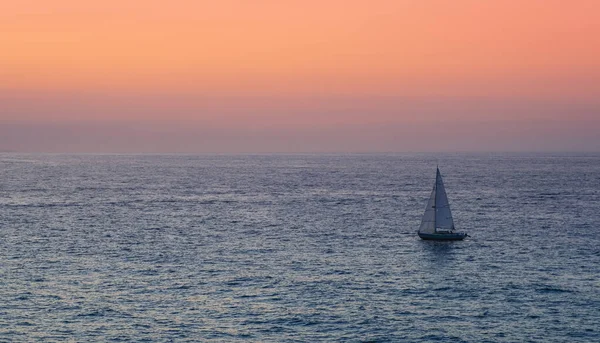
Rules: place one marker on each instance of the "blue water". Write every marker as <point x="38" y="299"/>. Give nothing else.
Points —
<point x="297" y="248"/>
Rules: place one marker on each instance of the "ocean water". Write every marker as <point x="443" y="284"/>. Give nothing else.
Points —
<point x="297" y="248"/>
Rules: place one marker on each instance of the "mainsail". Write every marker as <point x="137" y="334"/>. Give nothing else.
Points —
<point x="437" y="213"/>
<point x="443" y="216"/>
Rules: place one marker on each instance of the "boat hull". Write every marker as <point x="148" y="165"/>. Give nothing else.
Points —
<point x="458" y="236"/>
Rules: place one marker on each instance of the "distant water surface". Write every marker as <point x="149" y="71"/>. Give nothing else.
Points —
<point x="297" y="248"/>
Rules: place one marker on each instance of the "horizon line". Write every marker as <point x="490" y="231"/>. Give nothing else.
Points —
<point x="302" y="152"/>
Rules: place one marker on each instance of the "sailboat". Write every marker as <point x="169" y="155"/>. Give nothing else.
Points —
<point x="437" y="223"/>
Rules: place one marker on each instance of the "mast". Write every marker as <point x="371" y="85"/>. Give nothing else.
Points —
<point x="437" y="173"/>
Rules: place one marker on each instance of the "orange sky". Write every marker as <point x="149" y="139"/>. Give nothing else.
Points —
<point x="300" y="67"/>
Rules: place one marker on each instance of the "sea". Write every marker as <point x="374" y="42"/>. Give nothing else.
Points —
<point x="297" y="248"/>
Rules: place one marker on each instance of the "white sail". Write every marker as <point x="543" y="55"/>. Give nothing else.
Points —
<point x="443" y="216"/>
<point x="428" y="221"/>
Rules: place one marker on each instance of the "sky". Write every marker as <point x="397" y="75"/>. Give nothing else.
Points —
<point x="299" y="76"/>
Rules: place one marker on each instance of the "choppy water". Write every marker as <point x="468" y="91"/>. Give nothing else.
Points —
<point x="298" y="248"/>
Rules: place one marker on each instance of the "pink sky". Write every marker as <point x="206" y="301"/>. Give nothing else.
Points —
<point x="300" y="76"/>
